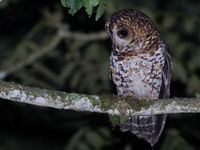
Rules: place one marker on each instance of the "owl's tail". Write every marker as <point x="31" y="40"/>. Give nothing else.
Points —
<point x="148" y="128"/>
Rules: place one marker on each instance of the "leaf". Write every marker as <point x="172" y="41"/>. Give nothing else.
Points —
<point x="100" y="9"/>
<point x="197" y="95"/>
<point x="64" y="3"/>
<point x="95" y="139"/>
<point x="74" y="5"/>
<point x="75" y="139"/>
<point x="89" y="5"/>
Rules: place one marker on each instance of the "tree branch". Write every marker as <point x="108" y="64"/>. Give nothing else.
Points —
<point x="63" y="32"/>
<point x="110" y="104"/>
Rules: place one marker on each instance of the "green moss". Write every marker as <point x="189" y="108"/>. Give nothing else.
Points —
<point x="118" y="120"/>
<point x="137" y="105"/>
<point x="73" y="96"/>
<point x="123" y="119"/>
<point x="198" y="95"/>
<point x="105" y="102"/>
<point x="108" y="101"/>
<point x="94" y="101"/>
<point x="11" y="86"/>
<point x="115" y="120"/>
<point x="35" y="91"/>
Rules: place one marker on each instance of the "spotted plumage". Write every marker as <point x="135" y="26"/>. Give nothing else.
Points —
<point x="140" y="66"/>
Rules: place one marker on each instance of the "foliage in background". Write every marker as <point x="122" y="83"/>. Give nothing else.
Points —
<point x="173" y="141"/>
<point x="89" y="139"/>
<point x="175" y="26"/>
<point x="75" y="5"/>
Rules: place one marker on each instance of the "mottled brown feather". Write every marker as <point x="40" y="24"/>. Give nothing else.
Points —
<point x="140" y="66"/>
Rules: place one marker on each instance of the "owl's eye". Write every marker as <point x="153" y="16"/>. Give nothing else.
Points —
<point x="122" y="33"/>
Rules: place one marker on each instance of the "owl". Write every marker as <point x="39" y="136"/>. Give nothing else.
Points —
<point x="140" y="66"/>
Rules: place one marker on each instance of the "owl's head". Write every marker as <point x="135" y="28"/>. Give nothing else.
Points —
<point x="128" y="27"/>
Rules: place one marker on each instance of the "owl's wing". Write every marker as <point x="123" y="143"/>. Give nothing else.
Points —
<point x="111" y="66"/>
<point x="166" y="73"/>
<point x="110" y="74"/>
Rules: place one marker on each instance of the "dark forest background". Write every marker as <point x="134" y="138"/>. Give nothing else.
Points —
<point x="30" y="55"/>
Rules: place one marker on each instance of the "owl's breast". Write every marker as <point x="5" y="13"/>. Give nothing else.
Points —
<point x="140" y="76"/>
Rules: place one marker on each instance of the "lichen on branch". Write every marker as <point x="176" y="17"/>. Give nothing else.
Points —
<point x="110" y="104"/>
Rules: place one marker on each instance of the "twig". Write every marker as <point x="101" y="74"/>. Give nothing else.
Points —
<point x="85" y="37"/>
<point x="110" y="104"/>
<point x="31" y="58"/>
<point x="62" y="33"/>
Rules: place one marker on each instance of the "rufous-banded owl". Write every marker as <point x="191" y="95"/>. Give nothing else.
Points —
<point x="140" y="66"/>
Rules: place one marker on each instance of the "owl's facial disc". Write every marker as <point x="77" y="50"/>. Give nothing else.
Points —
<point x="122" y="36"/>
<point x="107" y="27"/>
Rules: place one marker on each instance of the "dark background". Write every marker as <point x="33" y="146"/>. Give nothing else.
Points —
<point x="73" y="65"/>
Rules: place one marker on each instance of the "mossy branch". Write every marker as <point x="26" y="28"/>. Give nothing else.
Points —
<point x="110" y="104"/>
